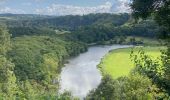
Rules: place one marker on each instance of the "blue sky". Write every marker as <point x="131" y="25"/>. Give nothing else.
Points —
<point x="63" y="7"/>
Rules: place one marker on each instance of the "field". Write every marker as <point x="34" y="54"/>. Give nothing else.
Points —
<point x="146" y="41"/>
<point x="118" y="63"/>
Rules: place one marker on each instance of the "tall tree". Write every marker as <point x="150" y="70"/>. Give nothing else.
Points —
<point x="8" y="86"/>
<point x="4" y="40"/>
<point x="160" y="10"/>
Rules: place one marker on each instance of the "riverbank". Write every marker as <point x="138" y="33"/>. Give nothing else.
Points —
<point x="130" y="40"/>
<point x="81" y="74"/>
<point x="117" y="62"/>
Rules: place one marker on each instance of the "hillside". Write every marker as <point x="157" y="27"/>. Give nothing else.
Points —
<point x="37" y="47"/>
<point x="92" y="28"/>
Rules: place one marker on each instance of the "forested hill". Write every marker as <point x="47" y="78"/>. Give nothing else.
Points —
<point x="69" y="22"/>
<point x="40" y="45"/>
<point x="19" y="17"/>
<point x="92" y="27"/>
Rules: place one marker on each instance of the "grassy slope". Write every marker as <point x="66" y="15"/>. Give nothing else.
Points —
<point x="117" y="63"/>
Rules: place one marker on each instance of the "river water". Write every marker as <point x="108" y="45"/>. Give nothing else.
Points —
<point x="81" y="74"/>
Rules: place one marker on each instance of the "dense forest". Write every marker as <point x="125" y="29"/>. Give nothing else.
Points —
<point x="33" y="49"/>
<point x="31" y="64"/>
<point x="92" y="28"/>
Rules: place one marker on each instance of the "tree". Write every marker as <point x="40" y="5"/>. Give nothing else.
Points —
<point x="8" y="86"/>
<point x="133" y="87"/>
<point x="160" y="10"/>
<point x="4" y="40"/>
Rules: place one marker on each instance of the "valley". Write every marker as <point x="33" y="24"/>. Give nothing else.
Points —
<point x="80" y="57"/>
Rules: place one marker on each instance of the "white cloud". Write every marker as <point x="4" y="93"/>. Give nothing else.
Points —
<point x="59" y="9"/>
<point x="121" y="6"/>
<point x="10" y="10"/>
<point x="116" y="6"/>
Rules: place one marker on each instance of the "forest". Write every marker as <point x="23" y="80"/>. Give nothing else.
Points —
<point x="35" y="48"/>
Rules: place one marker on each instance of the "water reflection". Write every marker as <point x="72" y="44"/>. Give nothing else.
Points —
<point x="81" y="75"/>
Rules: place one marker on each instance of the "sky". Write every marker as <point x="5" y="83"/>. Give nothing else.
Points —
<point x="63" y="7"/>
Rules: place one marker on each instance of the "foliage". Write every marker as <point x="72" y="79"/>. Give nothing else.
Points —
<point x="146" y="65"/>
<point x="38" y="61"/>
<point x="4" y="40"/>
<point x="20" y="31"/>
<point x="88" y="28"/>
<point x="8" y="86"/>
<point x="159" y="9"/>
<point x="34" y="65"/>
<point x="30" y="67"/>
<point x="117" y="63"/>
<point x="142" y="83"/>
<point x="156" y="70"/>
<point x="71" y="22"/>
<point x="101" y="33"/>
<point x="135" y="87"/>
<point x="92" y="28"/>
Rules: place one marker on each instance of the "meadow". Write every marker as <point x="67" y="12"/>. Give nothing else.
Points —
<point x="118" y="63"/>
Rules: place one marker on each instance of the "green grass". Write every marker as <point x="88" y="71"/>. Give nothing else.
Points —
<point x="118" y="63"/>
<point x="145" y="40"/>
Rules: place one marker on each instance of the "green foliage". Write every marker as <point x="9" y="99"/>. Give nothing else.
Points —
<point x="8" y="86"/>
<point x="143" y="41"/>
<point x="145" y="82"/>
<point x="92" y="28"/>
<point x="156" y="70"/>
<point x="20" y="31"/>
<point x="32" y="66"/>
<point x="137" y="87"/>
<point x="38" y="61"/>
<point x="146" y="65"/>
<point x="36" y="56"/>
<point x="144" y="28"/>
<point x="134" y="87"/>
<point x="162" y="17"/>
<point x="95" y="33"/>
<point x="105" y="90"/>
<point x="71" y="22"/>
<point x="166" y="63"/>
<point x="159" y="9"/>
<point x="116" y="34"/>
<point x="117" y="63"/>
<point x="4" y="40"/>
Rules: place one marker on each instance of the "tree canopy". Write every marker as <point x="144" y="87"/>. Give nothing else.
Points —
<point x="159" y="9"/>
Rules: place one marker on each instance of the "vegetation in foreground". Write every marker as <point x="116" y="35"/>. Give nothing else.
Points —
<point x="118" y="63"/>
<point x="149" y="80"/>
<point x="142" y="81"/>
<point x="147" y="68"/>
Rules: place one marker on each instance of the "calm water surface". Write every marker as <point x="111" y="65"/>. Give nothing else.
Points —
<point x="81" y="75"/>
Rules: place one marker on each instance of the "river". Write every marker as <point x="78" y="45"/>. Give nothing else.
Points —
<point x="81" y="74"/>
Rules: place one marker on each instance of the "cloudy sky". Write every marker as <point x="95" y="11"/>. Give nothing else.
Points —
<point x="63" y="7"/>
